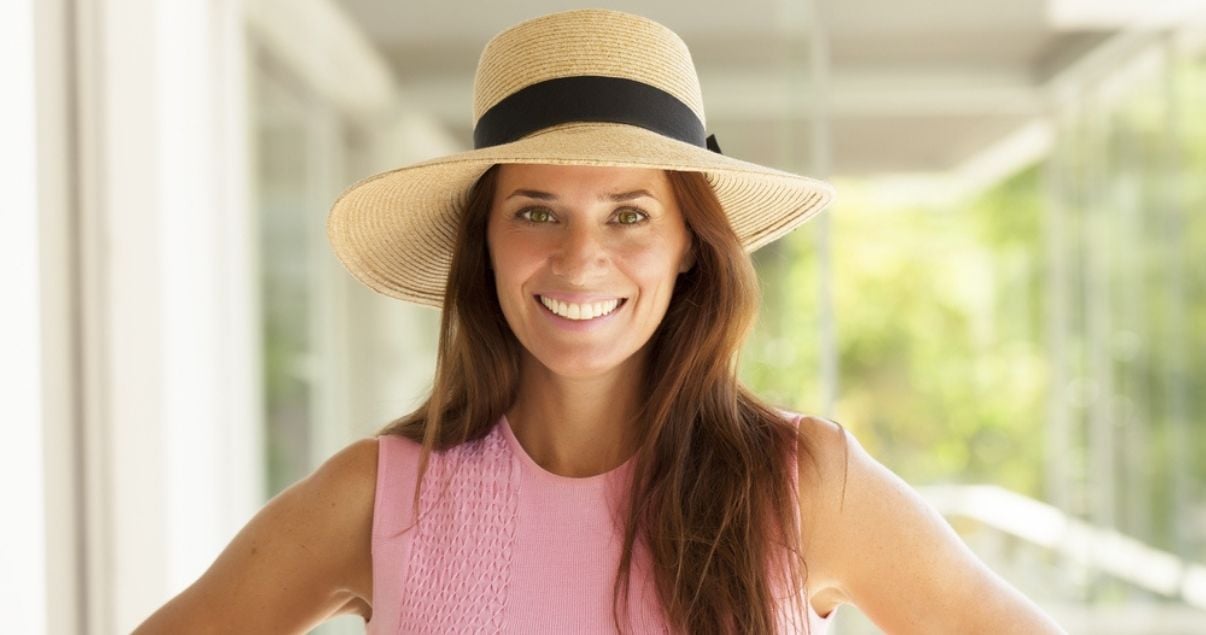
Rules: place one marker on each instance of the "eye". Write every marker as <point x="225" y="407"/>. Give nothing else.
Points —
<point x="631" y="216"/>
<point x="536" y="215"/>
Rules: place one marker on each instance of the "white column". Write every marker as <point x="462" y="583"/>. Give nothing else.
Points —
<point x="210" y="313"/>
<point x="60" y="421"/>
<point x="822" y="150"/>
<point x="170" y="337"/>
<point x="22" y="544"/>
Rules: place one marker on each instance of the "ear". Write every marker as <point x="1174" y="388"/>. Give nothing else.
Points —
<point x="688" y="260"/>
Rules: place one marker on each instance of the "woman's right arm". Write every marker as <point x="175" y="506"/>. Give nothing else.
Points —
<point x="304" y="558"/>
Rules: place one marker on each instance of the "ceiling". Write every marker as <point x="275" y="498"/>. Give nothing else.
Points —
<point x="914" y="86"/>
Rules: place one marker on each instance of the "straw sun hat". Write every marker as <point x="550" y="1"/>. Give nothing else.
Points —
<point x="584" y="87"/>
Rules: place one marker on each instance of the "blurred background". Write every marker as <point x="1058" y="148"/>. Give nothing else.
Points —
<point x="1006" y="304"/>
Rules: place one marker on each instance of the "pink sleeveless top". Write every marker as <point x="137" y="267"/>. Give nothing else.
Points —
<point x="509" y="548"/>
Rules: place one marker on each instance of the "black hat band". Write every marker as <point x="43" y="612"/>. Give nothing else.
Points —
<point x="589" y="98"/>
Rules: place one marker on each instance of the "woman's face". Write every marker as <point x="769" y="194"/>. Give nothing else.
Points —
<point x="585" y="259"/>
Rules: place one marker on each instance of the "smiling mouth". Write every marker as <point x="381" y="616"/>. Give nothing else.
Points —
<point x="581" y="311"/>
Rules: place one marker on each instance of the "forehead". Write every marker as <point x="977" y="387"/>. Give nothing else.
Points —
<point x="568" y="180"/>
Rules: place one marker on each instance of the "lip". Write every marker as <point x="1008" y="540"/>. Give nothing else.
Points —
<point x="579" y="325"/>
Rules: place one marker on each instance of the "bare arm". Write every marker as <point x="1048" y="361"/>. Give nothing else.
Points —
<point x="304" y="558"/>
<point x="888" y="552"/>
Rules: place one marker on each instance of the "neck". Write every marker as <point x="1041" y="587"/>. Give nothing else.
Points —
<point x="577" y="426"/>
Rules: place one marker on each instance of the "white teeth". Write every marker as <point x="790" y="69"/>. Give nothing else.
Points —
<point x="580" y="311"/>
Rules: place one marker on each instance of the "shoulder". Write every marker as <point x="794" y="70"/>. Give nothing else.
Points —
<point x="332" y="509"/>
<point x="825" y="452"/>
<point x="846" y="497"/>
<point x="303" y="558"/>
<point x="354" y="467"/>
<point x="871" y="540"/>
<point x="340" y="492"/>
<point x="825" y="457"/>
<point x="845" y="493"/>
<point x="344" y="490"/>
<point x="318" y="531"/>
<point x="347" y="482"/>
<point x="328" y="517"/>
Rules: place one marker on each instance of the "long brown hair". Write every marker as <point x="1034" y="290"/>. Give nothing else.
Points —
<point x="713" y="495"/>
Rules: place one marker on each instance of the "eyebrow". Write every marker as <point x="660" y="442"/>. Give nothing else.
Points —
<point x="546" y="196"/>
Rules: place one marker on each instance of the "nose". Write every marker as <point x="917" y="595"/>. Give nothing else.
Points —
<point x="580" y="255"/>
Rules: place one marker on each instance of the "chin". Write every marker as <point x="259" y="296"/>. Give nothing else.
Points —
<point x="578" y="366"/>
<point x="581" y="371"/>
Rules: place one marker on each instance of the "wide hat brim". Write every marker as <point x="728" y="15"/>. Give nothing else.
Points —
<point x="396" y="231"/>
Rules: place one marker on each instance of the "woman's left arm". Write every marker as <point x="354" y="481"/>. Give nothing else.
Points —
<point x="884" y="549"/>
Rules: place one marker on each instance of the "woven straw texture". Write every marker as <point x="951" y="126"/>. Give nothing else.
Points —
<point x="395" y="231"/>
<point x="593" y="42"/>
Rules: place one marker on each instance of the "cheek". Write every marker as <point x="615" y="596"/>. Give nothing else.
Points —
<point x="513" y="260"/>
<point x="509" y="275"/>
<point x="654" y="268"/>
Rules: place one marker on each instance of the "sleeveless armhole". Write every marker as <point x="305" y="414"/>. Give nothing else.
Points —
<point x="817" y="625"/>
<point x="394" y="455"/>
<point x="397" y="469"/>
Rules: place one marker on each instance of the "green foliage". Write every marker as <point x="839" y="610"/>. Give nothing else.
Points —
<point x="944" y="321"/>
<point x="940" y="376"/>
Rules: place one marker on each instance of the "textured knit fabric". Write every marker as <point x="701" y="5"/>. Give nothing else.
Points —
<point x="502" y="545"/>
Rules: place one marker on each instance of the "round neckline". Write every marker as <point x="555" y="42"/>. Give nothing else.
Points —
<point x="525" y="458"/>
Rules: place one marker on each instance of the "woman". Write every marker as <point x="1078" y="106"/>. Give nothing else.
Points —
<point x="587" y="460"/>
